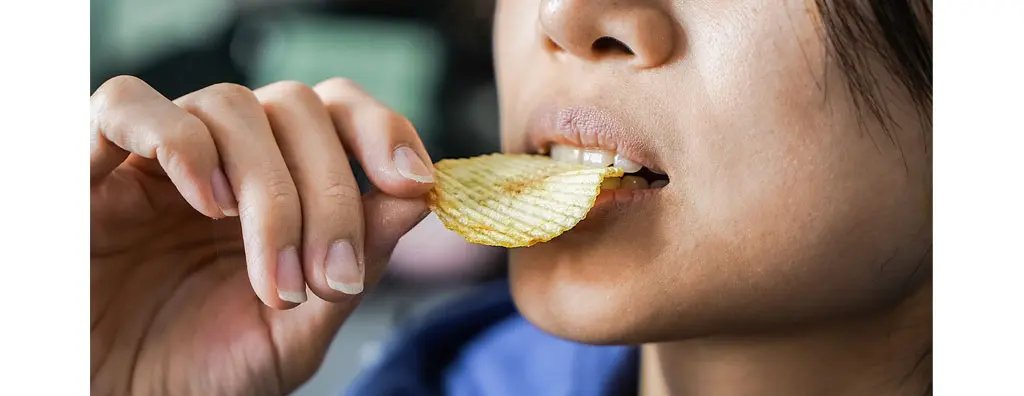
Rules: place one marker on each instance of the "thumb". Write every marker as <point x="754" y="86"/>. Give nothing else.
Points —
<point x="387" y="220"/>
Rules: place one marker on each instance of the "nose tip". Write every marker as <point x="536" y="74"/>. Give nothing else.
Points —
<point x="640" y="32"/>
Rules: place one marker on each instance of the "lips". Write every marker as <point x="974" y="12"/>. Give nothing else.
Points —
<point x="590" y="136"/>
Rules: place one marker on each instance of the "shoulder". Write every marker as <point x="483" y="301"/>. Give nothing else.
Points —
<point x="480" y="345"/>
<point x="516" y="358"/>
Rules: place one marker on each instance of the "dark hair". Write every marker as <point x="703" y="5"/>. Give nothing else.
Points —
<point x="899" y="32"/>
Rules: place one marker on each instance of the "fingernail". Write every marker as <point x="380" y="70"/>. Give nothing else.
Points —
<point x="411" y="166"/>
<point x="343" y="272"/>
<point x="223" y="195"/>
<point x="290" y="285"/>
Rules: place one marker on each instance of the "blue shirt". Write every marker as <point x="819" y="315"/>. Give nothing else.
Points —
<point x="481" y="346"/>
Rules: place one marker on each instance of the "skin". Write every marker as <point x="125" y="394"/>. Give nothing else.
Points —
<point x="790" y="253"/>
<point x="175" y="262"/>
<point x="782" y="214"/>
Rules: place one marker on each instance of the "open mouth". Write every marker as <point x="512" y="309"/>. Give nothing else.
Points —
<point x="636" y="177"/>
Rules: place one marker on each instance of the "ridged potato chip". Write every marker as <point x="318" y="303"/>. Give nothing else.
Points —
<point x="514" y="200"/>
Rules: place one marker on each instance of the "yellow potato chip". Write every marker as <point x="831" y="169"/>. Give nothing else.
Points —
<point x="514" y="200"/>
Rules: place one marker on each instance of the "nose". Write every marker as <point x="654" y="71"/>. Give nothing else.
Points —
<point x="638" y="31"/>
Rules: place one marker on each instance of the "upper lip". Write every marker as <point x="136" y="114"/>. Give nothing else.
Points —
<point x="588" y="127"/>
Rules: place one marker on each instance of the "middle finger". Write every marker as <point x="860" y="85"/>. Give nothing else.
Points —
<point x="332" y="215"/>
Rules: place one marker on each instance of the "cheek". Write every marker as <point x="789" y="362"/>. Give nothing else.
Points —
<point x="801" y="200"/>
<point x="515" y="50"/>
<point x="761" y="124"/>
<point x="759" y="128"/>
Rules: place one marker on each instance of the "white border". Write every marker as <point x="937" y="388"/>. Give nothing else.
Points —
<point x="979" y="202"/>
<point x="44" y="202"/>
<point x="979" y="199"/>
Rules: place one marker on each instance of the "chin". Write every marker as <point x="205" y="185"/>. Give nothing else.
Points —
<point x="574" y="306"/>
<point x="585" y="292"/>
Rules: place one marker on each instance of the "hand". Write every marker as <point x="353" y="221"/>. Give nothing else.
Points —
<point x="198" y="202"/>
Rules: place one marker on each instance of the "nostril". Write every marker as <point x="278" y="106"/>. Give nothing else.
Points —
<point x="551" y="45"/>
<point x="609" y="45"/>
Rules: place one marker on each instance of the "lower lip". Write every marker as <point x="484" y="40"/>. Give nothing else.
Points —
<point x="622" y="197"/>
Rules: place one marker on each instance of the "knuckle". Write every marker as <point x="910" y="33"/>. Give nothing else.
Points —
<point x="340" y="192"/>
<point x="281" y="189"/>
<point x="117" y="90"/>
<point x="122" y="82"/>
<point x="230" y="89"/>
<point x="229" y="95"/>
<point x="291" y="89"/>
<point x="339" y="83"/>
<point x="288" y="95"/>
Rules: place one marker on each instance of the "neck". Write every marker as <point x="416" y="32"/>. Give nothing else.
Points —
<point x="886" y="353"/>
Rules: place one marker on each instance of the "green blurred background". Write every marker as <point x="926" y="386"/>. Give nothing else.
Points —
<point x="429" y="60"/>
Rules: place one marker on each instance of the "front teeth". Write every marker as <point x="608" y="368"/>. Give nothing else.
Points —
<point x="597" y="158"/>
<point x="601" y="158"/>
<point x="564" y="153"/>
<point x="592" y="157"/>
<point x="626" y="164"/>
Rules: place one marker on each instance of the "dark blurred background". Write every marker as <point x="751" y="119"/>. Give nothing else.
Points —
<point x="428" y="59"/>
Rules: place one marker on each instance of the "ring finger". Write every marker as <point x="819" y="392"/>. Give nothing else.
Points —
<point x="268" y="201"/>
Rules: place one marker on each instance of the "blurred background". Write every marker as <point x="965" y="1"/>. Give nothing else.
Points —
<point x="428" y="59"/>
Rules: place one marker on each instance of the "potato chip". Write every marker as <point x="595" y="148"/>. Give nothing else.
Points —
<point x="514" y="200"/>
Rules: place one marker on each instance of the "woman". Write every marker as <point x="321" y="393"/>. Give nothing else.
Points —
<point x="788" y="253"/>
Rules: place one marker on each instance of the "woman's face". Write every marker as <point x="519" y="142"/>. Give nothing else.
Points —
<point x="783" y="205"/>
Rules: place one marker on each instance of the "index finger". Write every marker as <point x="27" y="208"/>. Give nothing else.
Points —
<point x="385" y="143"/>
